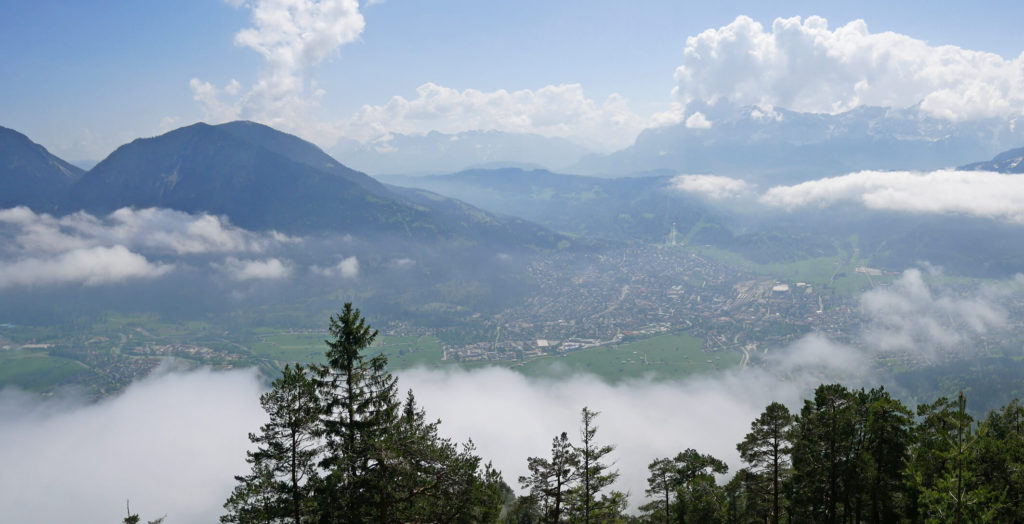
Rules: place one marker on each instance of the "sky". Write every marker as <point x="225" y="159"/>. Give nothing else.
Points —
<point x="82" y="78"/>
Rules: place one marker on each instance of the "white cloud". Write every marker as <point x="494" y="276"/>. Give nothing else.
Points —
<point x="712" y="186"/>
<point x="552" y="111"/>
<point x="152" y="229"/>
<point x="269" y="269"/>
<point x="913" y="316"/>
<point x="292" y="36"/>
<point x="974" y="193"/>
<point x="90" y="266"/>
<point x="346" y="268"/>
<point x="698" y="121"/>
<point x="170" y="443"/>
<point x="801" y="64"/>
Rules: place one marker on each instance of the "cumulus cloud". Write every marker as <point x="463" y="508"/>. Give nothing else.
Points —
<point x="346" y="268"/>
<point x="152" y="229"/>
<point x="712" y="186"/>
<point x="292" y="37"/>
<point x="269" y="269"/>
<point x="974" y="193"/>
<point x="41" y="249"/>
<point x="170" y="443"/>
<point x="802" y="64"/>
<point x="90" y="266"/>
<point x="912" y="316"/>
<point x="698" y="121"/>
<point x="553" y="111"/>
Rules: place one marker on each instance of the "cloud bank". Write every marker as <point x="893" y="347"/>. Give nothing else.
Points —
<point x="170" y="443"/>
<point x="712" y="186"/>
<point x="912" y="316"/>
<point x="40" y="249"/>
<point x="973" y="193"/>
<point x="551" y="111"/>
<point x="803" y="65"/>
<point x="89" y="266"/>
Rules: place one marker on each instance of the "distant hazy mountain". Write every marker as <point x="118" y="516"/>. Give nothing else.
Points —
<point x="30" y="175"/>
<point x="435" y="152"/>
<point x="783" y="146"/>
<point x="1011" y="161"/>
<point x="265" y="179"/>
<point x="640" y="209"/>
<point x="645" y="209"/>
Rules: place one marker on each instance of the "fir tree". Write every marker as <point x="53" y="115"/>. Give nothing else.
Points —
<point x="587" y="502"/>
<point x="766" y="448"/>
<point x="284" y="464"/>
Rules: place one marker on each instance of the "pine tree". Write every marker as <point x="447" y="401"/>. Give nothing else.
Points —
<point x="956" y="495"/>
<point x="360" y="408"/>
<point x="1000" y="459"/>
<point x="661" y="485"/>
<point x="550" y="481"/>
<point x="690" y="477"/>
<point x="826" y="455"/>
<point x="284" y="464"/>
<point x="587" y="503"/>
<point x="766" y="448"/>
<point x="341" y="448"/>
<point x="888" y="434"/>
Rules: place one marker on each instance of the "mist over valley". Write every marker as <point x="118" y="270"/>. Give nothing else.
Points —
<point x="810" y="212"/>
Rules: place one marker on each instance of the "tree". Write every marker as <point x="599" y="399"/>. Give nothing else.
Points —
<point x="360" y="407"/>
<point x="284" y="463"/>
<point x="888" y="433"/>
<point x="825" y="455"/>
<point x="341" y="448"/>
<point x="594" y="476"/>
<point x="956" y="495"/>
<point x="766" y="448"/>
<point x="660" y="486"/>
<point x="133" y="518"/>
<point x="999" y="461"/>
<point x="550" y="481"/>
<point x="690" y="477"/>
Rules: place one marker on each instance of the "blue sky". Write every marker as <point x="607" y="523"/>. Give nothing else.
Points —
<point x="84" y="77"/>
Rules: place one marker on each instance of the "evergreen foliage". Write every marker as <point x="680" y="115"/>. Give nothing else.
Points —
<point x="340" y="446"/>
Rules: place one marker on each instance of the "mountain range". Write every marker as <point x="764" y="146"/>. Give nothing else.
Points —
<point x="777" y="146"/>
<point x="437" y="153"/>
<point x="1011" y="161"/>
<point x="30" y="175"/>
<point x="257" y="176"/>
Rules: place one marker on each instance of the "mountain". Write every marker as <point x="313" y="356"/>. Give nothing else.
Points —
<point x="779" y="146"/>
<point x="640" y="209"/>
<point x="30" y="175"/>
<point x="435" y="153"/>
<point x="1011" y="161"/>
<point x="262" y="178"/>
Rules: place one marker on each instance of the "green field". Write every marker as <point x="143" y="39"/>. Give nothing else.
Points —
<point x="667" y="357"/>
<point x="36" y="371"/>
<point x="837" y="273"/>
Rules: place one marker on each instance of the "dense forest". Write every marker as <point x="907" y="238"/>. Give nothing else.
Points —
<point x="342" y="446"/>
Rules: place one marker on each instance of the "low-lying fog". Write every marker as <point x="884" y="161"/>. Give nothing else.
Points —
<point x="171" y="443"/>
